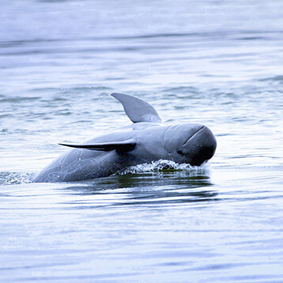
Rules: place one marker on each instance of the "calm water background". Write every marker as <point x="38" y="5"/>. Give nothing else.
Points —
<point x="214" y="62"/>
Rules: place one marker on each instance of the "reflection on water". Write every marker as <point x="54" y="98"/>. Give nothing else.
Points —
<point x="149" y="189"/>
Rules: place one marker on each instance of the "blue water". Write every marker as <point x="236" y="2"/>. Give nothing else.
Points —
<point x="217" y="63"/>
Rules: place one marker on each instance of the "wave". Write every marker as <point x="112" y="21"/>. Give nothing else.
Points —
<point x="162" y="166"/>
<point x="15" y="178"/>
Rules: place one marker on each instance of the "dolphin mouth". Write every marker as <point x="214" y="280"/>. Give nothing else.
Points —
<point x="194" y="134"/>
<point x="202" y="146"/>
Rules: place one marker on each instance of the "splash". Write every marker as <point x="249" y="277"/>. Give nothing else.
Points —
<point x="162" y="166"/>
<point x="14" y="178"/>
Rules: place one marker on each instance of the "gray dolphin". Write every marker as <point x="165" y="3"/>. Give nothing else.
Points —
<point x="146" y="140"/>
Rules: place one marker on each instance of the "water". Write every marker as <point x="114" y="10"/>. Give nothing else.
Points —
<point x="213" y="62"/>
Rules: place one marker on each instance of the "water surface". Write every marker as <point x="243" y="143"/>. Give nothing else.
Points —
<point x="213" y="62"/>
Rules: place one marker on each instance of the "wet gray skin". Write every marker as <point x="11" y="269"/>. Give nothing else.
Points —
<point x="146" y="140"/>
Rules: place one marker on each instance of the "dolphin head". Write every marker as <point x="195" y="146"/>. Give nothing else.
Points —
<point x="189" y="143"/>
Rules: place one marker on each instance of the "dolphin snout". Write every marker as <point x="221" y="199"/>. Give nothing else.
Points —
<point x="201" y="145"/>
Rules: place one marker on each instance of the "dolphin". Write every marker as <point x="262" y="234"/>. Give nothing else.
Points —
<point x="144" y="141"/>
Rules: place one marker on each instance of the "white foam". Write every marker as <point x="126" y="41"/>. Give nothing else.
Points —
<point x="12" y="178"/>
<point x="162" y="165"/>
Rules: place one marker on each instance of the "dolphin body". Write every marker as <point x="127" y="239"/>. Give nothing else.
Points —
<point x="146" y="140"/>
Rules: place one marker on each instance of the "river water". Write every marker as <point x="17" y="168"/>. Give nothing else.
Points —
<point x="218" y="63"/>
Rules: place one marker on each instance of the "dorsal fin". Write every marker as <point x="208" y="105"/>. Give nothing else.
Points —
<point x="137" y="109"/>
<point x="121" y="147"/>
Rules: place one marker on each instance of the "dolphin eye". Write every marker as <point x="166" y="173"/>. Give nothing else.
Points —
<point x="179" y="151"/>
